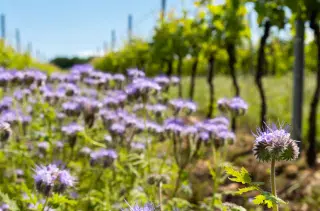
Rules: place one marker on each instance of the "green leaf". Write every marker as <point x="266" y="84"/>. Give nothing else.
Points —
<point x="266" y="198"/>
<point x="259" y="199"/>
<point x="5" y="199"/>
<point x="247" y="189"/>
<point x="238" y="176"/>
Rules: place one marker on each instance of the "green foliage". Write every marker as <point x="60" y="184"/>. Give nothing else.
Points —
<point x="5" y="199"/>
<point x="10" y="59"/>
<point x="242" y="176"/>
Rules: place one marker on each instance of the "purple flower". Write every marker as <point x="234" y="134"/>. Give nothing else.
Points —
<point x="138" y="146"/>
<point x="204" y="136"/>
<point x="85" y="151"/>
<point x="59" y="144"/>
<point x="72" y="129"/>
<point x="181" y="104"/>
<point x="274" y="144"/>
<point x="146" y="207"/>
<point x="154" y="127"/>
<point x="5" y="207"/>
<point x="81" y="69"/>
<point x="104" y="157"/>
<point x="43" y="145"/>
<point x="115" y="98"/>
<point x="51" y="178"/>
<point x="20" y="94"/>
<point x="157" y="108"/>
<point x="226" y="137"/>
<point x="162" y="80"/>
<point x="5" y="78"/>
<point x="142" y="87"/>
<point x="118" y="129"/>
<point x="19" y="172"/>
<point x="135" y="73"/>
<point x="72" y="108"/>
<point x="219" y="120"/>
<point x="190" y="130"/>
<point x="119" y="77"/>
<point x="174" y="126"/>
<point x="223" y="104"/>
<point x="5" y="103"/>
<point x="238" y="106"/>
<point x="69" y="89"/>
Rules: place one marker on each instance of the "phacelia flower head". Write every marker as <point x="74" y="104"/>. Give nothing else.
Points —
<point x="223" y="104"/>
<point x="72" y="108"/>
<point x="146" y="207"/>
<point x="71" y="131"/>
<point x="275" y="144"/>
<point x="162" y="80"/>
<point x="219" y="120"/>
<point x="137" y="146"/>
<point x="5" y="103"/>
<point x="174" y="126"/>
<point x="50" y="179"/>
<point x="69" y="88"/>
<point x="85" y="151"/>
<point x="135" y="73"/>
<point x="103" y="157"/>
<point x="238" y="106"/>
<point x="4" y="207"/>
<point x="224" y="137"/>
<point x="183" y="105"/>
<point x="142" y="87"/>
<point x="43" y="146"/>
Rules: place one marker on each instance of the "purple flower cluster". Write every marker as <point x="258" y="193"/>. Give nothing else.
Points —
<point x="146" y="207"/>
<point x="71" y="131"/>
<point x="135" y="73"/>
<point x="237" y="106"/>
<point x="103" y="157"/>
<point x="142" y="88"/>
<point x="50" y="179"/>
<point x="181" y="105"/>
<point x="4" y="207"/>
<point x="115" y="99"/>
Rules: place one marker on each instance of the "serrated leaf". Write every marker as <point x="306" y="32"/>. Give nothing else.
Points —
<point x="247" y="189"/>
<point x="259" y="199"/>
<point x="238" y="176"/>
<point x="5" y="199"/>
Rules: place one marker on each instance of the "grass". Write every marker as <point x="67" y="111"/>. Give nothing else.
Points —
<point x="278" y="92"/>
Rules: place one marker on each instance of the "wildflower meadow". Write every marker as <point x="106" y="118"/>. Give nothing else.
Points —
<point x="203" y="106"/>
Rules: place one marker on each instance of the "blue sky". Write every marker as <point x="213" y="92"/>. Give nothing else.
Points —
<point x="79" y="27"/>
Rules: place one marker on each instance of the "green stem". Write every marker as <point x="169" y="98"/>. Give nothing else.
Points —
<point x="216" y="162"/>
<point x="160" y="195"/>
<point x="177" y="183"/>
<point x="273" y="183"/>
<point x="45" y="204"/>
<point x="147" y="141"/>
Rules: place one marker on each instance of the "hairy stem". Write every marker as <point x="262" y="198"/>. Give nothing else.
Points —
<point x="273" y="183"/>
<point x="160" y="195"/>
<point x="45" y="203"/>
<point x="177" y="183"/>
